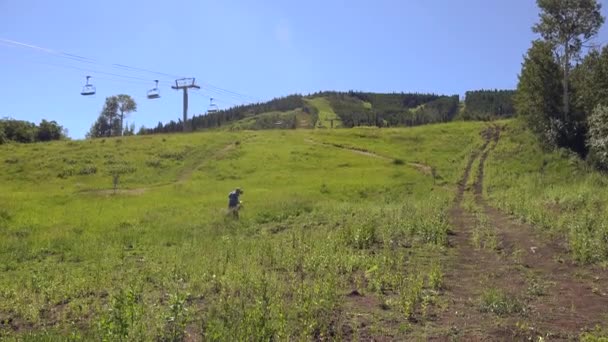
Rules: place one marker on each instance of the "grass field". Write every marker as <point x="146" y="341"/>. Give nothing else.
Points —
<point x="345" y="235"/>
<point x="160" y="259"/>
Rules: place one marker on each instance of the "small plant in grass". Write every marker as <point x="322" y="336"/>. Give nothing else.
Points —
<point x="324" y="188"/>
<point x="398" y="162"/>
<point x="436" y="277"/>
<point x="177" y="318"/>
<point x="119" y="322"/>
<point x="360" y="235"/>
<point x="411" y="294"/>
<point x="596" y="335"/>
<point x="536" y="287"/>
<point x="499" y="303"/>
<point x="483" y="235"/>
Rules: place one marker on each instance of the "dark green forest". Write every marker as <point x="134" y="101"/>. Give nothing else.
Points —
<point x="488" y="104"/>
<point x="28" y="132"/>
<point x="353" y="108"/>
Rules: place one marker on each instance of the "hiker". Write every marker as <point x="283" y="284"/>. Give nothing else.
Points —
<point x="234" y="204"/>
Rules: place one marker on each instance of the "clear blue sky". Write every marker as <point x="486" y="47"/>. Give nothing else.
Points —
<point x="260" y="49"/>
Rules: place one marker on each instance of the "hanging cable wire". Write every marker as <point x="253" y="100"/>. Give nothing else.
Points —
<point x="79" y="58"/>
<point x="224" y="101"/>
<point x="220" y="92"/>
<point x="146" y="70"/>
<point x="89" y="70"/>
<point x="233" y="93"/>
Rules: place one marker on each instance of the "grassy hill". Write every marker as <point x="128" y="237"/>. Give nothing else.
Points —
<point x="325" y="113"/>
<point x="345" y="234"/>
<point x="346" y="109"/>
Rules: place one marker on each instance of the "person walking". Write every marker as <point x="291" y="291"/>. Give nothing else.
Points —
<point x="234" y="203"/>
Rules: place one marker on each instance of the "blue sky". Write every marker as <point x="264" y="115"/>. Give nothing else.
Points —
<point x="256" y="50"/>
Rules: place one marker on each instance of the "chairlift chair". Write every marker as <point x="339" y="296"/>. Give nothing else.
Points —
<point x="212" y="107"/>
<point x="88" y="88"/>
<point x="154" y="93"/>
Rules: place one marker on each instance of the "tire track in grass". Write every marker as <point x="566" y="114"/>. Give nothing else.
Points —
<point x="557" y="299"/>
<point x="473" y="271"/>
<point x="423" y="168"/>
<point x="571" y="297"/>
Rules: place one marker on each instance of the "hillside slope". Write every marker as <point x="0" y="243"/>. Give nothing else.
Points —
<point x="318" y="210"/>
<point x="346" y="109"/>
<point x="365" y="233"/>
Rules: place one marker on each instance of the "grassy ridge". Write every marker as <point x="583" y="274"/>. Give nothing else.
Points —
<point x="160" y="259"/>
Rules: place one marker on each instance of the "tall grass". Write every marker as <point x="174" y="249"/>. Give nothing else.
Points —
<point x="162" y="261"/>
<point x="554" y="191"/>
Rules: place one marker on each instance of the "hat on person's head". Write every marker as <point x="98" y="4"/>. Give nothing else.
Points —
<point x="238" y="190"/>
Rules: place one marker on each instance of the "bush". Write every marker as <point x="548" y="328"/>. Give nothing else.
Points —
<point x="598" y="136"/>
<point x="88" y="170"/>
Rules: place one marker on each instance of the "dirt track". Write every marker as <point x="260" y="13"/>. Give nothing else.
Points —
<point x="558" y="299"/>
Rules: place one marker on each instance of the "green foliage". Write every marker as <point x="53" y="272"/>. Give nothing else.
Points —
<point x="598" y="136"/>
<point x="554" y="191"/>
<point x="345" y="109"/>
<point x="538" y="90"/>
<point x="499" y="303"/>
<point x="596" y="335"/>
<point x="538" y="95"/>
<point x="28" y="132"/>
<point x="436" y="277"/>
<point x="547" y="82"/>
<point x="488" y="104"/>
<point x="176" y="318"/>
<point x="590" y="81"/>
<point x="126" y="105"/>
<point x="110" y="120"/>
<point x="49" y="130"/>
<point x="120" y="322"/>
<point x="567" y="25"/>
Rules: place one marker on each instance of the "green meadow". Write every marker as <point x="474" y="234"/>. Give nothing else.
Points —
<point x="158" y="258"/>
<point x="343" y="235"/>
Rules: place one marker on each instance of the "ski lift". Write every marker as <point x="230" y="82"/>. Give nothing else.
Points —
<point x="88" y="89"/>
<point x="154" y="93"/>
<point x="212" y="107"/>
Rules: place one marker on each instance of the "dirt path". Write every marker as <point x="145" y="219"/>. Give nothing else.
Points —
<point x="187" y="172"/>
<point x="551" y="297"/>
<point x="425" y="169"/>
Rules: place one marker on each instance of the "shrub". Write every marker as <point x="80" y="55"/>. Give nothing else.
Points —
<point x="598" y="136"/>
<point x="88" y="170"/>
<point x="499" y="303"/>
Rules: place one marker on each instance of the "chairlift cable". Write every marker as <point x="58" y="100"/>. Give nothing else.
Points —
<point x="84" y="59"/>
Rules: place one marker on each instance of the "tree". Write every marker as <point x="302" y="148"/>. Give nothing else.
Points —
<point x="538" y="95"/>
<point x="109" y="122"/>
<point x="568" y="25"/>
<point x="590" y="81"/>
<point x="126" y="105"/>
<point x="598" y="136"/>
<point x="19" y="131"/>
<point x="49" y="130"/>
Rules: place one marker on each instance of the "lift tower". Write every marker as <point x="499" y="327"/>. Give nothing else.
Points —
<point x="185" y="84"/>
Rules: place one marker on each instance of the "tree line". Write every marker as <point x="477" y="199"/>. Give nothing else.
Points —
<point x="488" y="104"/>
<point x="564" y="103"/>
<point x="399" y="109"/>
<point x="20" y="131"/>
<point x="353" y="108"/>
